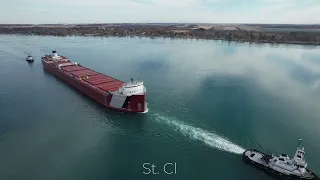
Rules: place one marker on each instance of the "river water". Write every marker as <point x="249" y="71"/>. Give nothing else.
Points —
<point x="208" y="102"/>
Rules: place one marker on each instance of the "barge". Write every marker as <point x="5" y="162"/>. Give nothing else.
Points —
<point x="110" y="92"/>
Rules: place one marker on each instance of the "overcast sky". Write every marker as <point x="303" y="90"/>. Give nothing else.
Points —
<point x="144" y="11"/>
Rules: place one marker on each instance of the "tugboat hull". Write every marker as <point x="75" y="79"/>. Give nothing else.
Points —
<point x="263" y="165"/>
<point x="29" y="58"/>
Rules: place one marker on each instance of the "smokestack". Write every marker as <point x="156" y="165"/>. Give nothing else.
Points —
<point x="54" y="53"/>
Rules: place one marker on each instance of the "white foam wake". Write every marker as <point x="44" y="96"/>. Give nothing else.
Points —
<point x="210" y="139"/>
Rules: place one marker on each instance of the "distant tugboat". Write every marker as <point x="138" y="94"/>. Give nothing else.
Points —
<point x="295" y="168"/>
<point x="29" y="58"/>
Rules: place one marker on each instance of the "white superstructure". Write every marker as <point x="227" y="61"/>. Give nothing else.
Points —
<point x="56" y="57"/>
<point x="132" y="88"/>
<point x="54" y="54"/>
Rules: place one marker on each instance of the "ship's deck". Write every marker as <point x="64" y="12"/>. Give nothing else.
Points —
<point x="98" y="80"/>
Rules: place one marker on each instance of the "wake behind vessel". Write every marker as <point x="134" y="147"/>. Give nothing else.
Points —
<point x="108" y="91"/>
<point x="283" y="165"/>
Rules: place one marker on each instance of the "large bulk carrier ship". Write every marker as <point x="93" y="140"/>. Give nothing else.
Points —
<point x="110" y="92"/>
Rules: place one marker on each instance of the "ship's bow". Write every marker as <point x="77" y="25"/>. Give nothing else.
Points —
<point x="135" y="93"/>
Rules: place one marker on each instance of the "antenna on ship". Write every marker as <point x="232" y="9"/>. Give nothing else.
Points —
<point x="299" y="142"/>
<point x="131" y="79"/>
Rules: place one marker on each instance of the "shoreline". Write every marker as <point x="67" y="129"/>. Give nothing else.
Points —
<point x="228" y="34"/>
<point x="311" y="44"/>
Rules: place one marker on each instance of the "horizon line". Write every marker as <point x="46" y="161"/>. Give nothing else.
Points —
<point x="159" y="23"/>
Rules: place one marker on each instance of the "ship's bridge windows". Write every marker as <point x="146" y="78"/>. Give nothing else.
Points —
<point x="299" y="156"/>
<point x="281" y="159"/>
<point x="252" y="155"/>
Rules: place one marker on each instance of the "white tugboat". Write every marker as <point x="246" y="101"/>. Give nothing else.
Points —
<point x="29" y="58"/>
<point x="283" y="165"/>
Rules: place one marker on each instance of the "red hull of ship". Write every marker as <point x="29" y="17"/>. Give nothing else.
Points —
<point x="95" y="94"/>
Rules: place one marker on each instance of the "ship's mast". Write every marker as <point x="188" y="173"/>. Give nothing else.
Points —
<point x="299" y="156"/>
<point x="299" y="143"/>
